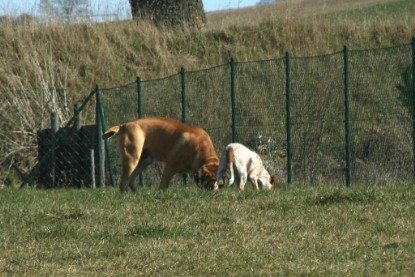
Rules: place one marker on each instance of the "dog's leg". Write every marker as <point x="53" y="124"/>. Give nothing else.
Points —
<point x="220" y="181"/>
<point x="140" y="168"/>
<point x="145" y="160"/>
<point x="254" y="182"/>
<point x="253" y="178"/>
<point x="166" y="177"/>
<point x="242" y="182"/>
<point x="132" y="147"/>
<point x="128" y="166"/>
<point x="241" y="174"/>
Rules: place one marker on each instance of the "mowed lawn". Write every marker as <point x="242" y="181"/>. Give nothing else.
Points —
<point x="184" y="231"/>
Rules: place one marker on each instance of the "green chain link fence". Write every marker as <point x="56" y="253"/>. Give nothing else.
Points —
<point x="345" y="118"/>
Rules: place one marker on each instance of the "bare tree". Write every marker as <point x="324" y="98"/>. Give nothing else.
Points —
<point x="65" y="10"/>
<point x="170" y="12"/>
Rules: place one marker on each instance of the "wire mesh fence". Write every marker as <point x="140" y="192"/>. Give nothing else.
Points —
<point x="381" y="123"/>
<point x="66" y="155"/>
<point x="338" y="118"/>
<point x="317" y="118"/>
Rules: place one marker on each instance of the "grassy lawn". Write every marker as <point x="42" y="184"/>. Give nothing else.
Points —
<point x="299" y="230"/>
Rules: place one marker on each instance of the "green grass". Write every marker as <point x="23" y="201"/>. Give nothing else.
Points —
<point x="112" y="54"/>
<point x="320" y="230"/>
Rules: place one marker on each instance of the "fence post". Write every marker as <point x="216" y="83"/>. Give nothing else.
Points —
<point x="77" y="115"/>
<point x="92" y="170"/>
<point x="288" y="114"/>
<point x="413" y="104"/>
<point x="78" y="148"/>
<point x="54" y="121"/>
<point x="347" y="114"/>
<point x="100" y="141"/>
<point x="233" y="100"/>
<point x="183" y="86"/>
<point x="139" y="98"/>
<point x="100" y="112"/>
<point x="139" y="115"/>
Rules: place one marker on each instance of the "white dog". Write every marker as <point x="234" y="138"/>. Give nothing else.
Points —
<point x="243" y="163"/>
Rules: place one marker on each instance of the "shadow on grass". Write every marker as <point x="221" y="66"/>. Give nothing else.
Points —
<point x="155" y="231"/>
<point x="336" y="197"/>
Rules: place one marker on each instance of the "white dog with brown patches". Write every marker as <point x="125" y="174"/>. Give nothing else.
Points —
<point x="243" y="164"/>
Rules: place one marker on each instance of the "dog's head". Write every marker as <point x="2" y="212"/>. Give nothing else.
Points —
<point x="206" y="176"/>
<point x="268" y="182"/>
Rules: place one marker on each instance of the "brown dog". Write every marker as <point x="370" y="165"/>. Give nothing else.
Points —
<point x="183" y="148"/>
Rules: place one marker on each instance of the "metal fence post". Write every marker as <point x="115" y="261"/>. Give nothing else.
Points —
<point x="183" y="86"/>
<point x="77" y="115"/>
<point x="233" y="100"/>
<point x="288" y="114"/>
<point x="100" y="141"/>
<point x="77" y="175"/>
<point x="92" y="170"/>
<point x="139" y="115"/>
<point x="347" y="115"/>
<point x="413" y="103"/>
<point x="139" y="98"/>
<point x="54" y="128"/>
<point x="106" y="152"/>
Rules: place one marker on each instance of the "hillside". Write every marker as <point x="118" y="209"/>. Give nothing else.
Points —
<point x="77" y="57"/>
<point x="44" y="67"/>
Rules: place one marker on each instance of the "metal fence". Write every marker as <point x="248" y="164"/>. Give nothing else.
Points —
<point x="345" y="118"/>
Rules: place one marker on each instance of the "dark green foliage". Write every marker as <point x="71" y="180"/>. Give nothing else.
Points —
<point x="9" y="179"/>
<point x="338" y="197"/>
<point x="406" y="90"/>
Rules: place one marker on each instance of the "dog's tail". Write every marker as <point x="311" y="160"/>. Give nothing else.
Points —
<point x="229" y="163"/>
<point x="110" y="132"/>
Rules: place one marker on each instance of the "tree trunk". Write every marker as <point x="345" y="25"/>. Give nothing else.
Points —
<point x="170" y="12"/>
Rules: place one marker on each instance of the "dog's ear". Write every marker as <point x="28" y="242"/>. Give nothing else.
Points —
<point x="273" y="181"/>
